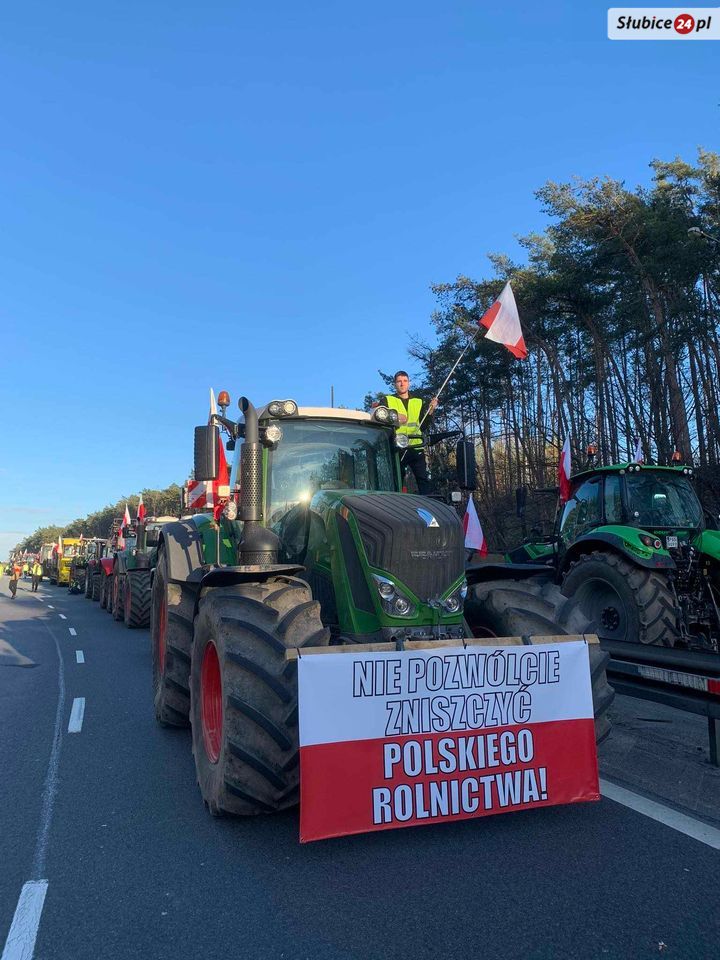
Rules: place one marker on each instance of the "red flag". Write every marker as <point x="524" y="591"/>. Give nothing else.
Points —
<point x="564" y="471"/>
<point x="141" y="509"/>
<point x="474" y="536"/>
<point x="503" y="324"/>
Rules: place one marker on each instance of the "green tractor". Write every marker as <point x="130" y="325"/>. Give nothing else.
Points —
<point x="81" y="566"/>
<point x="133" y="569"/>
<point x="323" y="548"/>
<point x="634" y="549"/>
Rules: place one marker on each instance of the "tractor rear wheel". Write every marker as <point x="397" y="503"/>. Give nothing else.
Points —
<point x="525" y="608"/>
<point x="96" y="586"/>
<point x="105" y="594"/>
<point x="88" y="584"/>
<point x="623" y="601"/>
<point x="171" y="634"/>
<point x="117" y="597"/>
<point x="137" y="598"/>
<point x="243" y="693"/>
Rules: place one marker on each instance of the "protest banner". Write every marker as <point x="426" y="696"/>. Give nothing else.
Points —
<point x="399" y="738"/>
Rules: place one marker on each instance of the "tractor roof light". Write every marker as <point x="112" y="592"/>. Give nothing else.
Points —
<point x="591" y="451"/>
<point x="676" y="457"/>
<point x="382" y="414"/>
<point x="394" y="418"/>
<point x="273" y="433"/>
<point x="223" y="400"/>
<point x="282" y="408"/>
<point x="401" y="440"/>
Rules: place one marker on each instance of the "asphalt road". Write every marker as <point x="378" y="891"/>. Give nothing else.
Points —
<point x="137" y="868"/>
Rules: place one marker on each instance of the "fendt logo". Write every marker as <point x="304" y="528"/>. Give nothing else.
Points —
<point x="429" y="519"/>
<point x="664" y="23"/>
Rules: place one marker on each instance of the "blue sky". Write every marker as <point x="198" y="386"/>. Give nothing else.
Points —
<point x="257" y="198"/>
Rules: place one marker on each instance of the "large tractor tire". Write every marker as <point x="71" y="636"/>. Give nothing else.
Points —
<point x="96" y="586"/>
<point x="88" y="584"/>
<point x="528" y="608"/>
<point x="243" y="693"/>
<point x="117" y="598"/>
<point x="137" y="598"/>
<point x="171" y="632"/>
<point x="105" y="591"/>
<point x="623" y="601"/>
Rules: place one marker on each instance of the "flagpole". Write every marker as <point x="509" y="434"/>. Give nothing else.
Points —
<point x="452" y="371"/>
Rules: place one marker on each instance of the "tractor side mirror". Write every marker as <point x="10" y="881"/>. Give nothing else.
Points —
<point x="466" y="466"/>
<point x="206" y="457"/>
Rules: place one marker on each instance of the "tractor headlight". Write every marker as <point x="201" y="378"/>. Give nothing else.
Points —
<point x="273" y="433"/>
<point x="282" y="408"/>
<point x="455" y="601"/>
<point x="385" y="587"/>
<point x="401" y="606"/>
<point x="382" y="414"/>
<point x="392" y="599"/>
<point x="401" y="440"/>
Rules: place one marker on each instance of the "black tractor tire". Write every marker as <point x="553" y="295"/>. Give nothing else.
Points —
<point x="137" y="599"/>
<point x="88" y="584"/>
<point x="96" y="586"/>
<point x="105" y="593"/>
<point x="537" y="608"/>
<point x="116" y="603"/>
<point x="171" y="633"/>
<point x="623" y="601"/>
<point x="245" y="630"/>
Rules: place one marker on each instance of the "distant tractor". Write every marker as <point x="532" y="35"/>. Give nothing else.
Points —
<point x="633" y="548"/>
<point x="82" y="566"/>
<point x="322" y="549"/>
<point x="133" y="569"/>
<point x="62" y="558"/>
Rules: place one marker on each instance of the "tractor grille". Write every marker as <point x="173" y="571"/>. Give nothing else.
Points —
<point x="399" y="541"/>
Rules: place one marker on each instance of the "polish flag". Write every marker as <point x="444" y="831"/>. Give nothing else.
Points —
<point x="638" y="455"/>
<point x="474" y="536"/>
<point x="503" y="324"/>
<point x="564" y="471"/>
<point x="125" y="520"/>
<point x="141" y="509"/>
<point x="221" y="484"/>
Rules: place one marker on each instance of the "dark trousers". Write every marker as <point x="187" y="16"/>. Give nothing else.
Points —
<point x="36" y="581"/>
<point x="413" y="459"/>
<point x="13" y="588"/>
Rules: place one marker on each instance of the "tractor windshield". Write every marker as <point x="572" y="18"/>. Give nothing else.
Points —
<point x="327" y="455"/>
<point x="661" y="500"/>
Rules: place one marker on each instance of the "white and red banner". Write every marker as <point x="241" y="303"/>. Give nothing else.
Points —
<point x="200" y="494"/>
<point x="392" y="739"/>
<point x="564" y="471"/>
<point x="141" y="512"/>
<point x="638" y="455"/>
<point x="474" y="536"/>
<point x="502" y="321"/>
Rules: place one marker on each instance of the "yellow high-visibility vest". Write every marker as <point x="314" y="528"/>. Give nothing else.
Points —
<point x="413" y="413"/>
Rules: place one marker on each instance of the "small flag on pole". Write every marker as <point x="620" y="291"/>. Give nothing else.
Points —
<point x="503" y="324"/>
<point x="474" y="536"/>
<point x="564" y="471"/>
<point x="141" y="509"/>
<point x="638" y="455"/>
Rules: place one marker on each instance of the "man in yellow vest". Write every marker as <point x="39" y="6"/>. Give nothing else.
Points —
<point x="36" y="575"/>
<point x="412" y="411"/>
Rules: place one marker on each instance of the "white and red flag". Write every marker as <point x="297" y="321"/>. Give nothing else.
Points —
<point x="125" y="520"/>
<point x="474" y="536"/>
<point x="141" y="509"/>
<point x="638" y="455"/>
<point x="502" y="321"/>
<point x="406" y="738"/>
<point x="564" y="471"/>
<point x="221" y="484"/>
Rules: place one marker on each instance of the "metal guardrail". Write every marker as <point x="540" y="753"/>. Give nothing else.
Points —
<point x="682" y="679"/>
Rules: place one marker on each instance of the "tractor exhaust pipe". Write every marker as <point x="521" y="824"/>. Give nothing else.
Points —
<point x="259" y="545"/>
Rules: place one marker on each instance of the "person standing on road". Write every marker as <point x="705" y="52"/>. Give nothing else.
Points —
<point x="412" y="411"/>
<point x="36" y="576"/>
<point x="15" y="572"/>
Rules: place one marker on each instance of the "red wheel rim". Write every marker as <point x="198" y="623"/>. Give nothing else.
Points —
<point x="211" y="711"/>
<point x="162" y="626"/>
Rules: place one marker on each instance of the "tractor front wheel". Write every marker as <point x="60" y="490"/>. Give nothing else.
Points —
<point x="621" y="600"/>
<point x="88" y="584"/>
<point x="105" y="592"/>
<point x="171" y="638"/>
<point x="117" y="597"/>
<point x="137" y="598"/>
<point x="243" y="693"/>
<point x="526" y="608"/>
<point x="96" y="586"/>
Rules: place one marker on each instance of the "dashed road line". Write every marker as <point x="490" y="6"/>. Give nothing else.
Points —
<point x="62" y="616"/>
<point x="20" y="943"/>
<point x="50" y="607"/>
<point x="76" y="715"/>
<point x="80" y="656"/>
<point x="662" y="814"/>
<point x="73" y="631"/>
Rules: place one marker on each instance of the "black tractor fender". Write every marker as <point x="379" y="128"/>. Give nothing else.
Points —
<point x="610" y="541"/>
<point x="484" y="572"/>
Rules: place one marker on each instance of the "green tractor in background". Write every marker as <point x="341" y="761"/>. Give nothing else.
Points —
<point x="132" y="572"/>
<point x="323" y="548"/>
<point x="633" y="547"/>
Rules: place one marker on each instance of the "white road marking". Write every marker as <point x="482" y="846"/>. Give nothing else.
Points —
<point x="76" y="715"/>
<point x="657" y="811"/>
<point x="73" y="631"/>
<point x="80" y="656"/>
<point x="20" y="943"/>
<point x="62" y="616"/>
<point x="50" y="607"/>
